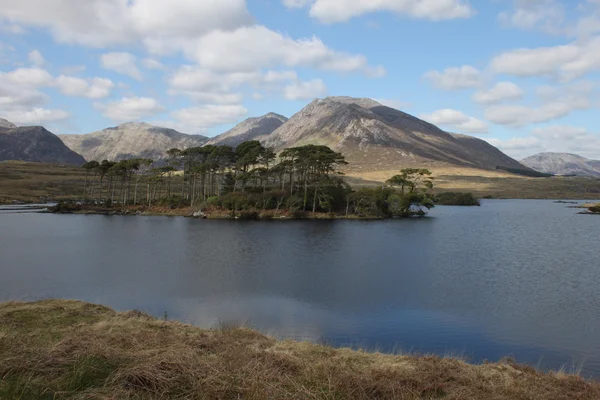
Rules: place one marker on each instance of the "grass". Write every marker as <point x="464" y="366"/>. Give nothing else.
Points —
<point x="72" y="350"/>
<point x="497" y="184"/>
<point x="457" y="199"/>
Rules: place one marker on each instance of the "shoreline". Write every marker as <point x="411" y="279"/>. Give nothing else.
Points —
<point x="73" y="349"/>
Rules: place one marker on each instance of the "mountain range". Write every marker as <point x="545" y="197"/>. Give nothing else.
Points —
<point x="34" y="143"/>
<point x="130" y="140"/>
<point x="563" y="164"/>
<point x="372" y="136"/>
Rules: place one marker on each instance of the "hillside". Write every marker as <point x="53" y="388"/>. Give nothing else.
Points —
<point x="130" y="140"/>
<point x="375" y="137"/>
<point x="563" y="164"/>
<point x="250" y="129"/>
<point x="34" y="143"/>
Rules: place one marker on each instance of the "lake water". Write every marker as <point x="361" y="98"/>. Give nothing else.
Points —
<point x="510" y="278"/>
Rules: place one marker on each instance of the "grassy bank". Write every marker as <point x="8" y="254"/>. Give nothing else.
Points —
<point x="73" y="350"/>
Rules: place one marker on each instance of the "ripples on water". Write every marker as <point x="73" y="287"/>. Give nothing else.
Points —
<point x="510" y="278"/>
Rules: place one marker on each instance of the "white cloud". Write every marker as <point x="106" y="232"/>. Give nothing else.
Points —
<point x="546" y="15"/>
<point x="455" y="78"/>
<point x="73" y="69"/>
<point x="151" y="63"/>
<point x="250" y="48"/>
<point x="566" y="61"/>
<point x="102" y="23"/>
<point x="123" y="63"/>
<point x="332" y="11"/>
<point x="456" y="120"/>
<point x="198" y="119"/>
<point x="35" y="116"/>
<point x="517" y="115"/>
<point x="95" y="88"/>
<point x="131" y="108"/>
<point x="305" y="90"/>
<point x="206" y="86"/>
<point x="29" y="77"/>
<point x="500" y="92"/>
<point x="553" y="138"/>
<point x="36" y="58"/>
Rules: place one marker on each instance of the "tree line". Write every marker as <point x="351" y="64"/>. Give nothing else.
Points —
<point x="252" y="178"/>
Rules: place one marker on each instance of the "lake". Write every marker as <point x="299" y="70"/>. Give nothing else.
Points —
<point x="517" y="278"/>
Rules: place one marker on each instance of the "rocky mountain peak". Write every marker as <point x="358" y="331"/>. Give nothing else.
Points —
<point x="6" y="124"/>
<point x="256" y="128"/>
<point x="563" y="164"/>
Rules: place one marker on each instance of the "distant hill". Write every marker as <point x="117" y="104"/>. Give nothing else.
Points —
<point x="130" y="140"/>
<point x="34" y="143"/>
<point x="375" y="137"/>
<point x="250" y="129"/>
<point x="563" y="164"/>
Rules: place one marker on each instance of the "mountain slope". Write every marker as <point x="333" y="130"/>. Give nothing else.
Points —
<point x="563" y="164"/>
<point x="250" y="129"/>
<point x="130" y="140"/>
<point x="6" y="124"/>
<point x="36" y="144"/>
<point x="375" y="137"/>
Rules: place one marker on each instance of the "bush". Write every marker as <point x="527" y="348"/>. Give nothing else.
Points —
<point x="248" y="215"/>
<point x="595" y="209"/>
<point x="457" y="199"/>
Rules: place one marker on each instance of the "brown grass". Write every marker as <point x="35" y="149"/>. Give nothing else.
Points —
<point x="73" y="350"/>
<point x="498" y="184"/>
<point x="35" y="182"/>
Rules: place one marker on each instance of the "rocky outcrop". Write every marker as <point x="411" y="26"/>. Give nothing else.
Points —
<point x="251" y="129"/>
<point x="35" y="144"/>
<point x="563" y="164"/>
<point x="130" y="140"/>
<point x="6" y="124"/>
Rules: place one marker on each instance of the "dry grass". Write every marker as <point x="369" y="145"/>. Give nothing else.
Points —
<point x="499" y="184"/>
<point x="33" y="182"/>
<point x="73" y="350"/>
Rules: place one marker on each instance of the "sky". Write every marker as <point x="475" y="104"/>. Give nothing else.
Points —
<point x="522" y="74"/>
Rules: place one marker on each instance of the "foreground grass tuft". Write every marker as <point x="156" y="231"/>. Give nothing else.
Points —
<point x="73" y="350"/>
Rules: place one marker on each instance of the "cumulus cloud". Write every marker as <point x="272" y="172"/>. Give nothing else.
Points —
<point x="456" y="120"/>
<point x="250" y="48"/>
<point x="552" y="138"/>
<point x="36" y="58"/>
<point x="151" y="63"/>
<point x="332" y="11"/>
<point x="95" y="88"/>
<point x="305" y="90"/>
<point x="455" y="78"/>
<point x="123" y="63"/>
<point x="518" y="115"/>
<point x="35" y="116"/>
<point x="500" y="92"/>
<point x="567" y="62"/>
<point x="206" y="86"/>
<point x="198" y="119"/>
<point x="102" y="23"/>
<point x="131" y="108"/>
<point x="545" y="15"/>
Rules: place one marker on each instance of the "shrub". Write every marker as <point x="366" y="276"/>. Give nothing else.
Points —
<point x="457" y="199"/>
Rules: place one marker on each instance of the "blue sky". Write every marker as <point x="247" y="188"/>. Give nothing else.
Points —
<point x="522" y="74"/>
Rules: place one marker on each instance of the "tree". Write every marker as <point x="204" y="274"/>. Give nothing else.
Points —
<point x="419" y="182"/>
<point x="89" y="167"/>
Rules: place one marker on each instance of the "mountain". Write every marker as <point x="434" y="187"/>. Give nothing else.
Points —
<point x="563" y="164"/>
<point x="6" y="124"/>
<point x="250" y="129"/>
<point x="130" y="140"/>
<point x="375" y="137"/>
<point x="34" y="143"/>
